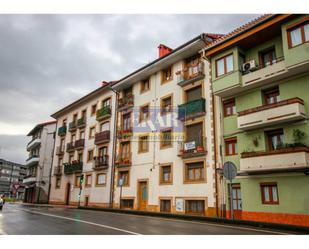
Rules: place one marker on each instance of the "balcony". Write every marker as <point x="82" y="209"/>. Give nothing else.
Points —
<point x="189" y="150"/>
<point x="32" y="160"/>
<point x="102" y="137"/>
<point x="100" y="162"/>
<point x="72" y="126"/>
<point x="124" y="134"/>
<point x="29" y="179"/>
<point x="266" y="115"/>
<point x="81" y="123"/>
<point x="123" y="161"/>
<point x="70" y="147"/>
<point x="293" y="158"/>
<point x="79" y="144"/>
<point x="59" y="150"/>
<point x="192" y="109"/>
<point x="126" y="102"/>
<point x="62" y="130"/>
<point x="103" y="113"/>
<point x="263" y="75"/>
<point x="58" y="171"/>
<point x="33" y="143"/>
<point x="190" y="74"/>
<point x="74" y="167"/>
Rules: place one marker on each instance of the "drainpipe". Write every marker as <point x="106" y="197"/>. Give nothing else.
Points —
<point x="113" y="169"/>
<point x="52" y="163"/>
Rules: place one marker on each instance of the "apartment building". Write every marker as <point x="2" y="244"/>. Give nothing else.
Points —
<point x="260" y="75"/>
<point x="11" y="179"/>
<point x="164" y="157"/>
<point x="84" y="146"/>
<point x="39" y="162"/>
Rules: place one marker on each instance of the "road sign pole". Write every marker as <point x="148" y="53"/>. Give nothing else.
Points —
<point x="230" y="172"/>
<point x="79" y="195"/>
<point x="231" y="200"/>
<point x="120" y="197"/>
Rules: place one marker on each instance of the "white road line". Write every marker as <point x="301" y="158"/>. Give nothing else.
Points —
<point x="204" y="223"/>
<point x="82" y="221"/>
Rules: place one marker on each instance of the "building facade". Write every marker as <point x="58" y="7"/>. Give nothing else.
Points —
<point x="260" y="76"/>
<point x="37" y="181"/>
<point x="84" y="146"/>
<point x="165" y="153"/>
<point x="11" y="179"/>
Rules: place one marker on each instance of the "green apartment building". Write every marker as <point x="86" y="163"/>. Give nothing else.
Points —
<point x="260" y="72"/>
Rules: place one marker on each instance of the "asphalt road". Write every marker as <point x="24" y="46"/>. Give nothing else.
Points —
<point x="19" y="219"/>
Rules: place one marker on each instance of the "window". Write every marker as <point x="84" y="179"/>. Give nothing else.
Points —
<point x="271" y="96"/>
<point x="82" y="134"/>
<point x="194" y="94"/>
<point x="236" y="197"/>
<point x="64" y="122"/>
<point x="269" y="192"/>
<point x="91" y="132"/>
<point x="195" y="171"/>
<point x="143" y="144"/>
<point x="275" y="139"/>
<point x="71" y="158"/>
<point x="77" y="181"/>
<point x="145" y="85"/>
<point x="88" y="182"/>
<point x="127" y="203"/>
<point x="106" y="102"/>
<point x="167" y="74"/>
<point x="166" y="139"/>
<point x="298" y="35"/>
<point x="165" y="174"/>
<point x="126" y="122"/>
<point x="84" y="114"/>
<point x="268" y="57"/>
<point x="124" y="174"/>
<point x="127" y="92"/>
<point x="93" y="109"/>
<point x="229" y="107"/>
<point x="166" y="105"/>
<point x="80" y="156"/>
<point x="194" y="133"/>
<point x="90" y="156"/>
<point x="195" y="206"/>
<point x="224" y="65"/>
<point x="231" y="146"/>
<point x="144" y="113"/>
<point x="58" y="182"/>
<point x="165" y="206"/>
<point x="75" y="117"/>
<point x="73" y="138"/>
<point x="101" y="179"/>
<point x="125" y="150"/>
<point x="102" y="151"/>
<point x="62" y="144"/>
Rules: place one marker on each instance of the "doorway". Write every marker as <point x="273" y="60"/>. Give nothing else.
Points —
<point x="237" y="202"/>
<point x="67" y="194"/>
<point x="142" y="195"/>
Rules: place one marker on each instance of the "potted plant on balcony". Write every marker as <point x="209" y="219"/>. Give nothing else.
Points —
<point x="200" y="148"/>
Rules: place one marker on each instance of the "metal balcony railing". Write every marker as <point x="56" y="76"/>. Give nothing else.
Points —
<point x="72" y="126"/>
<point x="73" y="167"/>
<point x="79" y="144"/>
<point x="102" y="137"/>
<point x="58" y="171"/>
<point x="191" y="109"/>
<point x="62" y="130"/>
<point x="100" y="162"/>
<point x="81" y="122"/>
<point x="126" y="102"/>
<point x="70" y="146"/>
<point x="103" y="113"/>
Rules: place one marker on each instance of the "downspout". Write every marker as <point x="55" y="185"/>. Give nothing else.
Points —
<point x="112" y="190"/>
<point x="52" y="164"/>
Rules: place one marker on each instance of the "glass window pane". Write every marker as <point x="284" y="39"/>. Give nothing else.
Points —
<point x="220" y="67"/>
<point x="239" y="204"/>
<point x="229" y="63"/>
<point x="275" y="194"/>
<point x="234" y="204"/>
<point x="296" y="37"/>
<point x="306" y="30"/>
<point x="234" y="191"/>
<point x="266" y="194"/>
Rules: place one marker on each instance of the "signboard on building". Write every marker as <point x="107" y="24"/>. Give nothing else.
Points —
<point x="179" y="205"/>
<point x="189" y="145"/>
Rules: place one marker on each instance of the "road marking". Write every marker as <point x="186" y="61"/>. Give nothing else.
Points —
<point x="204" y="223"/>
<point x="82" y="221"/>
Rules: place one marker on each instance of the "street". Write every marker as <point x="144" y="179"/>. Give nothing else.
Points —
<point x="21" y="219"/>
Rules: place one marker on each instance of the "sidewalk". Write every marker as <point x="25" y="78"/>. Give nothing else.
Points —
<point x="45" y="205"/>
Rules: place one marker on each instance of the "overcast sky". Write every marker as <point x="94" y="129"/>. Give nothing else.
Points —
<point x="48" y="61"/>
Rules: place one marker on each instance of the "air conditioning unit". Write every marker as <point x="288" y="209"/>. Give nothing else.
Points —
<point x="248" y="66"/>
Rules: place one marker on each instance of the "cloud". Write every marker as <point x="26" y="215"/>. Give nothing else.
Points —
<point x="48" y="61"/>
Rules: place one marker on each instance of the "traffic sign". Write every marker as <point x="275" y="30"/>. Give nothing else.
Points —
<point x="229" y="170"/>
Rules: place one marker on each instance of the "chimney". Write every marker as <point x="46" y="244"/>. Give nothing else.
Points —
<point x="104" y="83"/>
<point x="163" y="50"/>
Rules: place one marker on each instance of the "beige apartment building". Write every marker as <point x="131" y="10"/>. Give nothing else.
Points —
<point x="84" y="145"/>
<point x="165" y="141"/>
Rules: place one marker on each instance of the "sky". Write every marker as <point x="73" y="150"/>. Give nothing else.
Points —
<point x="49" y="61"/>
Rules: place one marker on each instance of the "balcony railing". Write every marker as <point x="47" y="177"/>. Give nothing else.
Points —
<point x="58" y="171"/>
<point x="62" y="130"/>
<point x="124" y="134"/>
<point x="72" y="126"/>
<point x="191" y="109"/>
<point x="79" y="144"/>
<point x="74" y="167"/>
<point x="103" y="113"/>
<point x="190" y="149"/>
<point x="289" y="158"/>
<point x="60" y="150"/>
<point x="190" y="74"/>
<point x="126" y="102"/>
<point x="70" y="146"/>
<point x="81" y="122"/>
<point x="282" y="111"/>
<point x="123" y="161"/>
<point x="100" y="162"/>
<point x="102" y="137"/>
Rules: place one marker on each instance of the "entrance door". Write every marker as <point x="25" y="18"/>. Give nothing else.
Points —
<point x="67" y="195"/>
<point x="142" y="195"/>
<point x="237" y="202"/>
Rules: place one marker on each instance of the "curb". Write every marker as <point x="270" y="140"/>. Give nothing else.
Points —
<point x="255" y="224"/>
